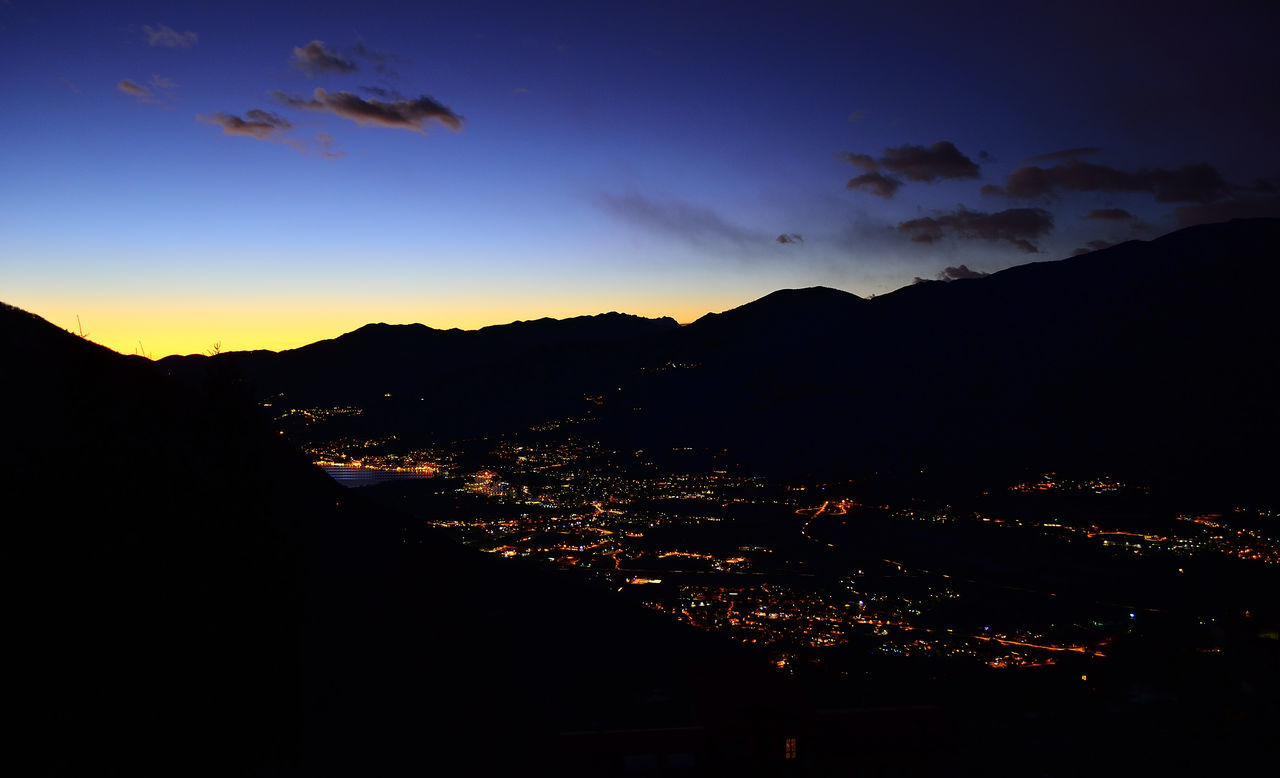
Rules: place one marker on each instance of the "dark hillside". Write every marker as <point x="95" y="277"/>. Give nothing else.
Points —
<point x="187" y="594"/>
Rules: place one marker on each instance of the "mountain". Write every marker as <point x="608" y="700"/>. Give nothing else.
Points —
<point x="186" y="594"/>
<point x="1144" y="358"/>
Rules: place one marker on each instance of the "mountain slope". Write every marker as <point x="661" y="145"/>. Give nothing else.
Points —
<point x="1144" y="357"/>
<point x="187" y="594"/>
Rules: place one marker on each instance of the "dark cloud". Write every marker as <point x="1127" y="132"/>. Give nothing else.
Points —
<point x="992" y="189"/>
<point x="1017" y="226"/>
<point x="863" y="161"/>
<point x="686" y="221"/>
<point x="314" y="59"/>
<point x="917" y="163"/>
<point x="402" y="114"/>
<point x="166" y="36"/>
<point x="985" y="156"/>
<point x="1244" y="208"/>
<point x="135" y="89"/>
<point x="914" y="163"/>
<point x="1189" y="183"/>
<point x="962" y="271"/>
<point x="1054" y="156"/>
<point x="1109" y="214"/>
<point x="876" y="183"/>
<point x="257" y="123"/>
<point x="789" y="237"/>
<point x="1261" y="186"/>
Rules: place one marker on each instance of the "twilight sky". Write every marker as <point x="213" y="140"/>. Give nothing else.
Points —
<point x="263" y="175"/>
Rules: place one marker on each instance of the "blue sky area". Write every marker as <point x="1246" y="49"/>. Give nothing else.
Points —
<point x="269" y="174"/>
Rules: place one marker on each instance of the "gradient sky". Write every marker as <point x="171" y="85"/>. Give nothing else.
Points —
<point x="173" y="176"/>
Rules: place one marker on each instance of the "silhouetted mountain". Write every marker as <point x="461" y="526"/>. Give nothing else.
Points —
<point x="1147" y="357"/>
<point x="380" y="359"/>
<point x="187" y="595"/>
<point x="1144" y="358"/>
<point x="783" y="319"/>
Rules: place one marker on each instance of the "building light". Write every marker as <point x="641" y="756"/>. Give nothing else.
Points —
<point x="790" y="748"/>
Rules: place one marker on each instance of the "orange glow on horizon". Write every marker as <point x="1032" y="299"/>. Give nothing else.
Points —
<point x="160" y="329"/>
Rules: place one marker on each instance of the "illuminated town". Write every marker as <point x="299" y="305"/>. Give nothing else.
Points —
<point x="782" y="565"/>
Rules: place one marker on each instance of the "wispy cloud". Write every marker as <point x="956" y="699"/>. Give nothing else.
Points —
<point x="314" y="59"/>
<point x="162" y="83"/>
<point x="789" y="237"/>
<point x="401" y="114"/>
<point x="1054" y="156"/>
<point x="328" y="147"/>
<point x="257" y="123"/>
<point x="695" y="224"/>
<point x="134" y="89"/>
<point x="1109" y="214"/>
<point x="167" y="37"/>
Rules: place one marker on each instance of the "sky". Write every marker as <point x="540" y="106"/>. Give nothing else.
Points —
<point x="180" y="178"/>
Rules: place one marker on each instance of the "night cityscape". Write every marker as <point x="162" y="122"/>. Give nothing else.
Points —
<point x="640" y="389"/>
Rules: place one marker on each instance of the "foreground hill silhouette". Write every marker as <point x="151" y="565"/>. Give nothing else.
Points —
<point x="188" y="595"/>
<point x="1147" y="358"/>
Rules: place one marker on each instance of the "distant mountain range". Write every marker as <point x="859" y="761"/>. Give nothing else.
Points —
<point x="1151" y="358"/>
<point x="185" y="594"/>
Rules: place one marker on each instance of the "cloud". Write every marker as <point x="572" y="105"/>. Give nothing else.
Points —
<point x="917" y="163"/>
<point x="789" y="237"/>
<point x="1259" y="186"/>
<point x="914" y="163"/>
<point x="328" y="146"/>
<point x="992" y="189"/>
<point x="1054" y="156"/>
<point x="256" y="123"/>
<point x="314" y="59"/>
<point x="382" y="92"/>
<point x="1243" y="208"/>
<point x="166" y="36"/>
<point x="682" y="220"/>
<point x="402" y="114"/>
<point x="162" y="83"/>
<point x="1109" y="214"/>
<point x="963" y="271"/>
<point x="1017" y="226"/>
<point x="1190" y="183"/>
<point x="876" y="183"/>
<point x="135" y="89"/>
<point x="380" y="59"/>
